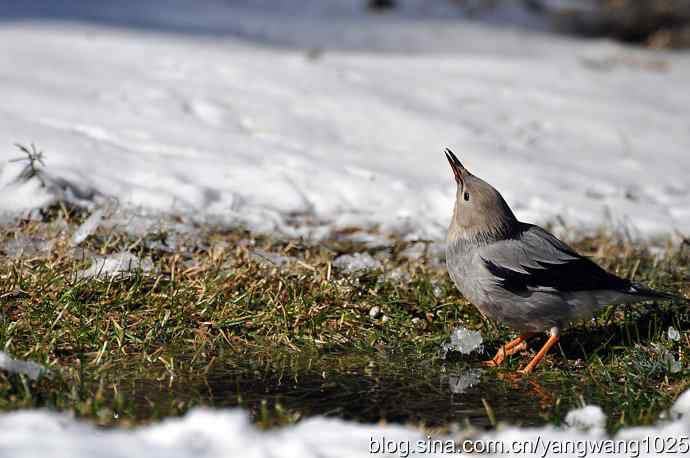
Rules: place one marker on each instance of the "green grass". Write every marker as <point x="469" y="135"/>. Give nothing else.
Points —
<point x="214" y="324"/>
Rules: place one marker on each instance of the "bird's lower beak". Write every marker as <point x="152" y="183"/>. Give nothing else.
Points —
<point x="458" y="169"/>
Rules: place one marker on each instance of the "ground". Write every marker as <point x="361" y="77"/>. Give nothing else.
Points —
<point x="285" y="328"/>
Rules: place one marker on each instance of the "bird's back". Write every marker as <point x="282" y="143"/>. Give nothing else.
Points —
<point x="532" y="281"/>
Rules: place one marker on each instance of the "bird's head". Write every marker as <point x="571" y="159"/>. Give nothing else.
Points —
<point x="480" y="211"/>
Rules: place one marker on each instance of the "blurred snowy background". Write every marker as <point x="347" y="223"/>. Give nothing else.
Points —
<point x="336" y="112"/>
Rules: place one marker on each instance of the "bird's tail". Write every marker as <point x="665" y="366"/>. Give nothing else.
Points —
<point x="643" y="291"/>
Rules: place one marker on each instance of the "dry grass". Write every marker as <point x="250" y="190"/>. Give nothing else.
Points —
<point x="219" y="320"/>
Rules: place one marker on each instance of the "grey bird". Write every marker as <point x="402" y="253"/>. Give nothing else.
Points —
<point x="520" y="274"/>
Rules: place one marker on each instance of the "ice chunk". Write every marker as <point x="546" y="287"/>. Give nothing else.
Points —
<point x="458" y="384"/>
<point x="16" y="366"/>
<point x="436" y="290"/>
<point x="116" y="265"/>
<point x="674" y="365"/>
<point x="673" y="334"/>
<point x="587" y="418"/>
<point x="464" y="341"/>
<point x="88" y="227"/>
<point x="356" y="263"/>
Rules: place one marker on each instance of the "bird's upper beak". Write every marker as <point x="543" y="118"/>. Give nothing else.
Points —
<point x="456" y="165"/>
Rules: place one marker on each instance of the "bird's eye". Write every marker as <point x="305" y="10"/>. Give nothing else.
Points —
<point x="466" y="196"/>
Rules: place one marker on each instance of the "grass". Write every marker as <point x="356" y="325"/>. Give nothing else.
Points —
<point x="218" y="320"/>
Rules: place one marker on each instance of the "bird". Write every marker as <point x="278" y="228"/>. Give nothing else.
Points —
<point x="520" y="274"/>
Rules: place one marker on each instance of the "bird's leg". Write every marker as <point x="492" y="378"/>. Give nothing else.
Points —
<point x="510" y="348"/>
<point x="553" y="338"/>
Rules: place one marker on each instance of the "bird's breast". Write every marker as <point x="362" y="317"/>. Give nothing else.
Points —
<point x="468" y="274"/>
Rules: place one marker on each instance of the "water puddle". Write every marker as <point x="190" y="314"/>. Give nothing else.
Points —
<point x="391" y="387"/>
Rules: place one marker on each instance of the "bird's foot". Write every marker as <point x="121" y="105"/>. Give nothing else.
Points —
<point x="539" y="356"/>
<point x="493" y="362"/>
<point x="511" y="348"/>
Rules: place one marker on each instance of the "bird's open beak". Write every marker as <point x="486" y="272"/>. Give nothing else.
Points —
<point x="458" y="169"/>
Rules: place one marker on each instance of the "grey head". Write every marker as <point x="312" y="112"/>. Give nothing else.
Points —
<point x="480" y="212"/>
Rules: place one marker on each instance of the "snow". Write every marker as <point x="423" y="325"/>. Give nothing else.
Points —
<point x="200" y="433"/>
<point x="228" y="432"/>
<point x="88" y="227"/>
<point x="16" y="366"/>
<point x="356" y="263"/>
<point x="117" y="265"/>
<point x="587" y="418"/>
<point x="269" y="259"/>
<point x="25" y="246"/>
<point x="176" y="118"/>
<point x="681" y="406"/>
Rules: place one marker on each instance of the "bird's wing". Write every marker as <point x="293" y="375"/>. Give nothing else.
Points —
<point x="536" y="260"/>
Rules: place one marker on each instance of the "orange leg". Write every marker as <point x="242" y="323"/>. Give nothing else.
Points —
<point x="539" y="356"/>
<point x="510" y="348"/>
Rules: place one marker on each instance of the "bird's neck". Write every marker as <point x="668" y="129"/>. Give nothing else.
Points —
<point x="474" y="239"/>
<point x="469" y="238"/>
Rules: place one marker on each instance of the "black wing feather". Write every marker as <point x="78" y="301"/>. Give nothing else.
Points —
<point x="523" y="263"/>
<point x="579" y="274"/>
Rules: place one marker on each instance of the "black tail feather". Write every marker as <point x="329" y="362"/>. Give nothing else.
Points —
<point x="640" y="290"/>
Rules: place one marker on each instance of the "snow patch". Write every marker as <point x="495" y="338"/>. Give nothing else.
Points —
<point x="268" y="259"/>
<point x="201" y="433"/>
<point x="228" y="432"/>
<point x="88" y="227"/>
<point x="259" y="136"/>
<point x="356" y="263"/>
<point x="120" y="265"/>
<point x="17" y="366"/>
<point x="682" y="406"/>
<point x="24" y="246"/>
<point x="587" y="418"/>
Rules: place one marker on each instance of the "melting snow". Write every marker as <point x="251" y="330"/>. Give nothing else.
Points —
<point x="227" y="432"/>
<point x="23" y="246"/>
<point x="682" y="406"/>
<point x="117" y="265"/>
<point x="221" y="128"/>
<point x="88" y="227"/>
<point x="266" y="258"/>
<point x="356" y="263"/>
<point x="16" y="366"/>
<point x="587" y="418"/>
